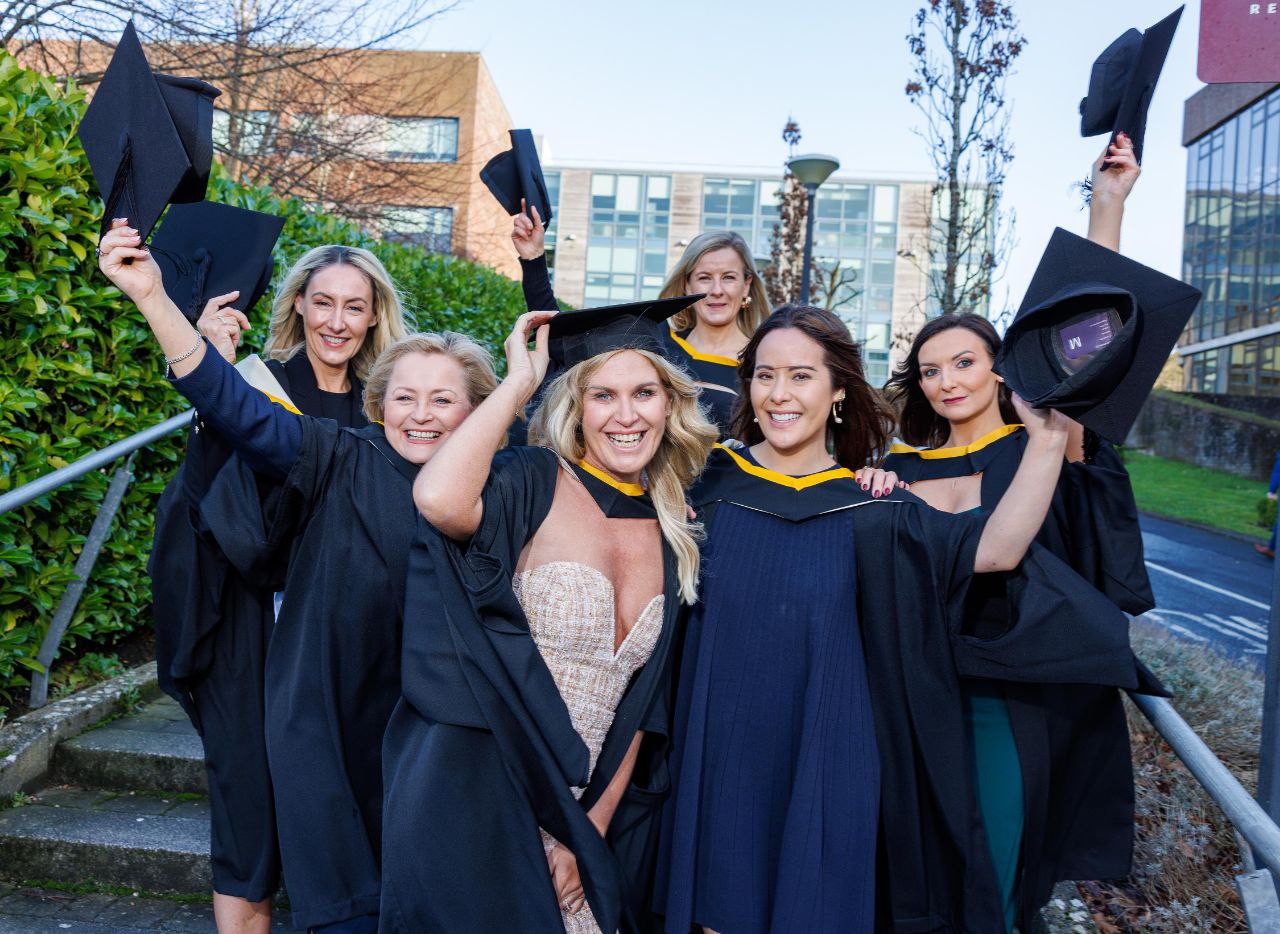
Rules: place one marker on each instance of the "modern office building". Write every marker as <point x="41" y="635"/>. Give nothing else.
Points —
<point x="619" y="228"/>
<point x="1231" y="246"/>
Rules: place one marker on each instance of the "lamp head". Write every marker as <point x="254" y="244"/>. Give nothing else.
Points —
<point x="812" y="170"/>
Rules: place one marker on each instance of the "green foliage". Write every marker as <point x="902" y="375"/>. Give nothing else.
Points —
<point x="1266" y="512"/>
<point x="91" y="668"/>
<point x="79" y="369"/>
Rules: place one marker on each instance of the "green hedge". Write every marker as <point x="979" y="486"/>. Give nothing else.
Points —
<point x="79" y="370"/>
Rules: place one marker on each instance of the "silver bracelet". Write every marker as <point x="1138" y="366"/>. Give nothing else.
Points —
<point x="199" y="341"/>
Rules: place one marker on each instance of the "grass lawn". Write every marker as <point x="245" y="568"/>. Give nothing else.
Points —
<point x="1200" y="494"/>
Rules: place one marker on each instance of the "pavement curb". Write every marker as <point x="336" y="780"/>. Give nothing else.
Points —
<point x="1226" y="533"/>
<point x="27" y="744"/>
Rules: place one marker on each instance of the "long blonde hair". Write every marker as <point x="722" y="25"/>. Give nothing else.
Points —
<point x="468" y="353"/>
<point x="750" y="314"/>
<point x="681" y="454"/>
<point x="288" y="330"/>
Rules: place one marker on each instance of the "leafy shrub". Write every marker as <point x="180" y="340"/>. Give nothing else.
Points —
<point x="79" y="369"/>
<point x="1266" y="512"/>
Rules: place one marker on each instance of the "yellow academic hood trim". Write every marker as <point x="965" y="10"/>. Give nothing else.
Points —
<point x="795" y="483"/>
<point x="630" y="489"/>
<point x="938" y="453"/>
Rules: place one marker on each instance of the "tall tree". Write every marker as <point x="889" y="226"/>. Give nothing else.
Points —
<point x="786" y="242"/>
<point x="963" y="50"/>
<point x="306" y="104"/>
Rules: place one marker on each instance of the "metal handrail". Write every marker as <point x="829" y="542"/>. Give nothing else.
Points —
<point x="97" y="535"/>
<point x="1248" y="817"/>
<point x="64" y="475"/>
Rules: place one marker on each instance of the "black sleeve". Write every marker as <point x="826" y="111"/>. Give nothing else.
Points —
<point x="515" y="500"/>
<point x="536" y="280"/>
<point x="1102" y="535"/>
<point x="1061" y="630"/>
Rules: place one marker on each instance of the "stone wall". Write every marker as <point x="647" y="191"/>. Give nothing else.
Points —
<point x="1266" y="406"/>
<point x="1186" y="427"/>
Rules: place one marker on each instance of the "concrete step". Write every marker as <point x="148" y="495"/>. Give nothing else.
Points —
<point x="155" y="748"/>
<point x="77" y="835"/>
<point x="27" y="910"/>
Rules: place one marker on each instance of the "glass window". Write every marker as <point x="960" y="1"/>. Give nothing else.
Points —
<point x="887" y="203"/>
<point x="628" y="193"/>
<point x="421" y="139"/>
<point x="254" y="131"/>
<point x="430" y="228"/>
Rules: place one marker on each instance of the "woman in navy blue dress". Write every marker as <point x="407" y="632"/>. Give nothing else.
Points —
<point x="800" y="731"/>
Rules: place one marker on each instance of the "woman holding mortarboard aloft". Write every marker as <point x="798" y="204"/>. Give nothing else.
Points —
<point x="705" y="339"/>
<point x="818" y="753"/>
<point x="526" y="761"/>
<point x="213" y="586"/>
<point x="338" y="500"/>
<point x="1051" y="762"/>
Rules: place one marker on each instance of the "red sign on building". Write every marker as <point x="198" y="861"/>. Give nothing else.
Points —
<point x="1239" y="42"/>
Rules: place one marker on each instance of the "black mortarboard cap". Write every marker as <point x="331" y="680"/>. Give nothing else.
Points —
<point x="1093" y="332"/>
<point x="517" y="174"/>
<point x="209" y="249"/>
<point x="1123" y="80"/>
<point x="149" y="137"/>
<point x="580" y="335"/>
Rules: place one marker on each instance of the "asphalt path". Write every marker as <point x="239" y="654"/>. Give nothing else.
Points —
<point x="1209" y="588"/>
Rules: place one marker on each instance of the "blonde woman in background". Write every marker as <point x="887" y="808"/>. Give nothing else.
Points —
<point x="338" y="501"/>
<point x="335" y="311"/>
<point x="525" y="765"/>
<point x="706" y="338"/>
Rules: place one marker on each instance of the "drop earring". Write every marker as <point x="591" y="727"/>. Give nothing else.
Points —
<point x="836" y="408"/>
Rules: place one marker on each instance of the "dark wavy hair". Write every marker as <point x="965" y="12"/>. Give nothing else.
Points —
<point x="862" y="437"/>
<point x="918" y="424"/>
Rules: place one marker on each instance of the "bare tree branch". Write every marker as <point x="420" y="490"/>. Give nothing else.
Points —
<point x="963" y="50"/>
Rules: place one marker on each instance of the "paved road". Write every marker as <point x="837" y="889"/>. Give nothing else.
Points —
<point x="1209" y="588"/>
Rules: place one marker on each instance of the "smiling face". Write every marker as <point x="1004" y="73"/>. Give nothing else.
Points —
<point x="624" y="415"/>
<point x="722" y="276"/>
<point x="956" y="375"/>
<point x="792" y="392"/>
<point x="426" y="400"/>
<point x="337" y="312"/>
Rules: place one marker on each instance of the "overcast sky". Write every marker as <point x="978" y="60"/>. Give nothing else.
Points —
<point x="712" y="82"/>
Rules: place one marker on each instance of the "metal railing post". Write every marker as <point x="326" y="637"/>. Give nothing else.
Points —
<point x="84" y="567"/>
<point x="63" y="475"/>
<point x="1253" y="823"/>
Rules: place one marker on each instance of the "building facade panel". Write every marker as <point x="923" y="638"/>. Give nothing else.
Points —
<point x="1231" y="245"/>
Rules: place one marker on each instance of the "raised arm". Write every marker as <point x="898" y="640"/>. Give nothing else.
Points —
<point x="1114" y="174"/>
<point x="266" y="435"/>
<point x="448" y="487"/>
<point x="529" y="237"/>
<point x="1021" y="511"/>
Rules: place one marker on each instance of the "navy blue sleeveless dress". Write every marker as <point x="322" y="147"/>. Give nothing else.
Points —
<point x="772" y="824"/>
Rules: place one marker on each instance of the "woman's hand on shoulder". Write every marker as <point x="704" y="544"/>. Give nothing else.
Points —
<point x="128" y="264"/>
<point x="527" y="368"/>
<point x="222" y="326"/>
<point x="1114" y="173"/>
<point x="527" y="232"/>
<point x="878" y="481"/>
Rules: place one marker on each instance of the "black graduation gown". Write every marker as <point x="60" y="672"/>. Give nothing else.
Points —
<point x="213" y="608"/>
<point x="480" y="751"/>
<point x="1072" y="739"/>
<point x="719" y="374"/>
<point x="346" y="513"/>
<point x="915" y="566"/>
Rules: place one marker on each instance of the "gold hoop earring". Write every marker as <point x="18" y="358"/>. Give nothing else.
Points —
<point x="836" y="408"/>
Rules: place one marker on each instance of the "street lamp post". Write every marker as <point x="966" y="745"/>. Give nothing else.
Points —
<point x="810" y="171"/>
